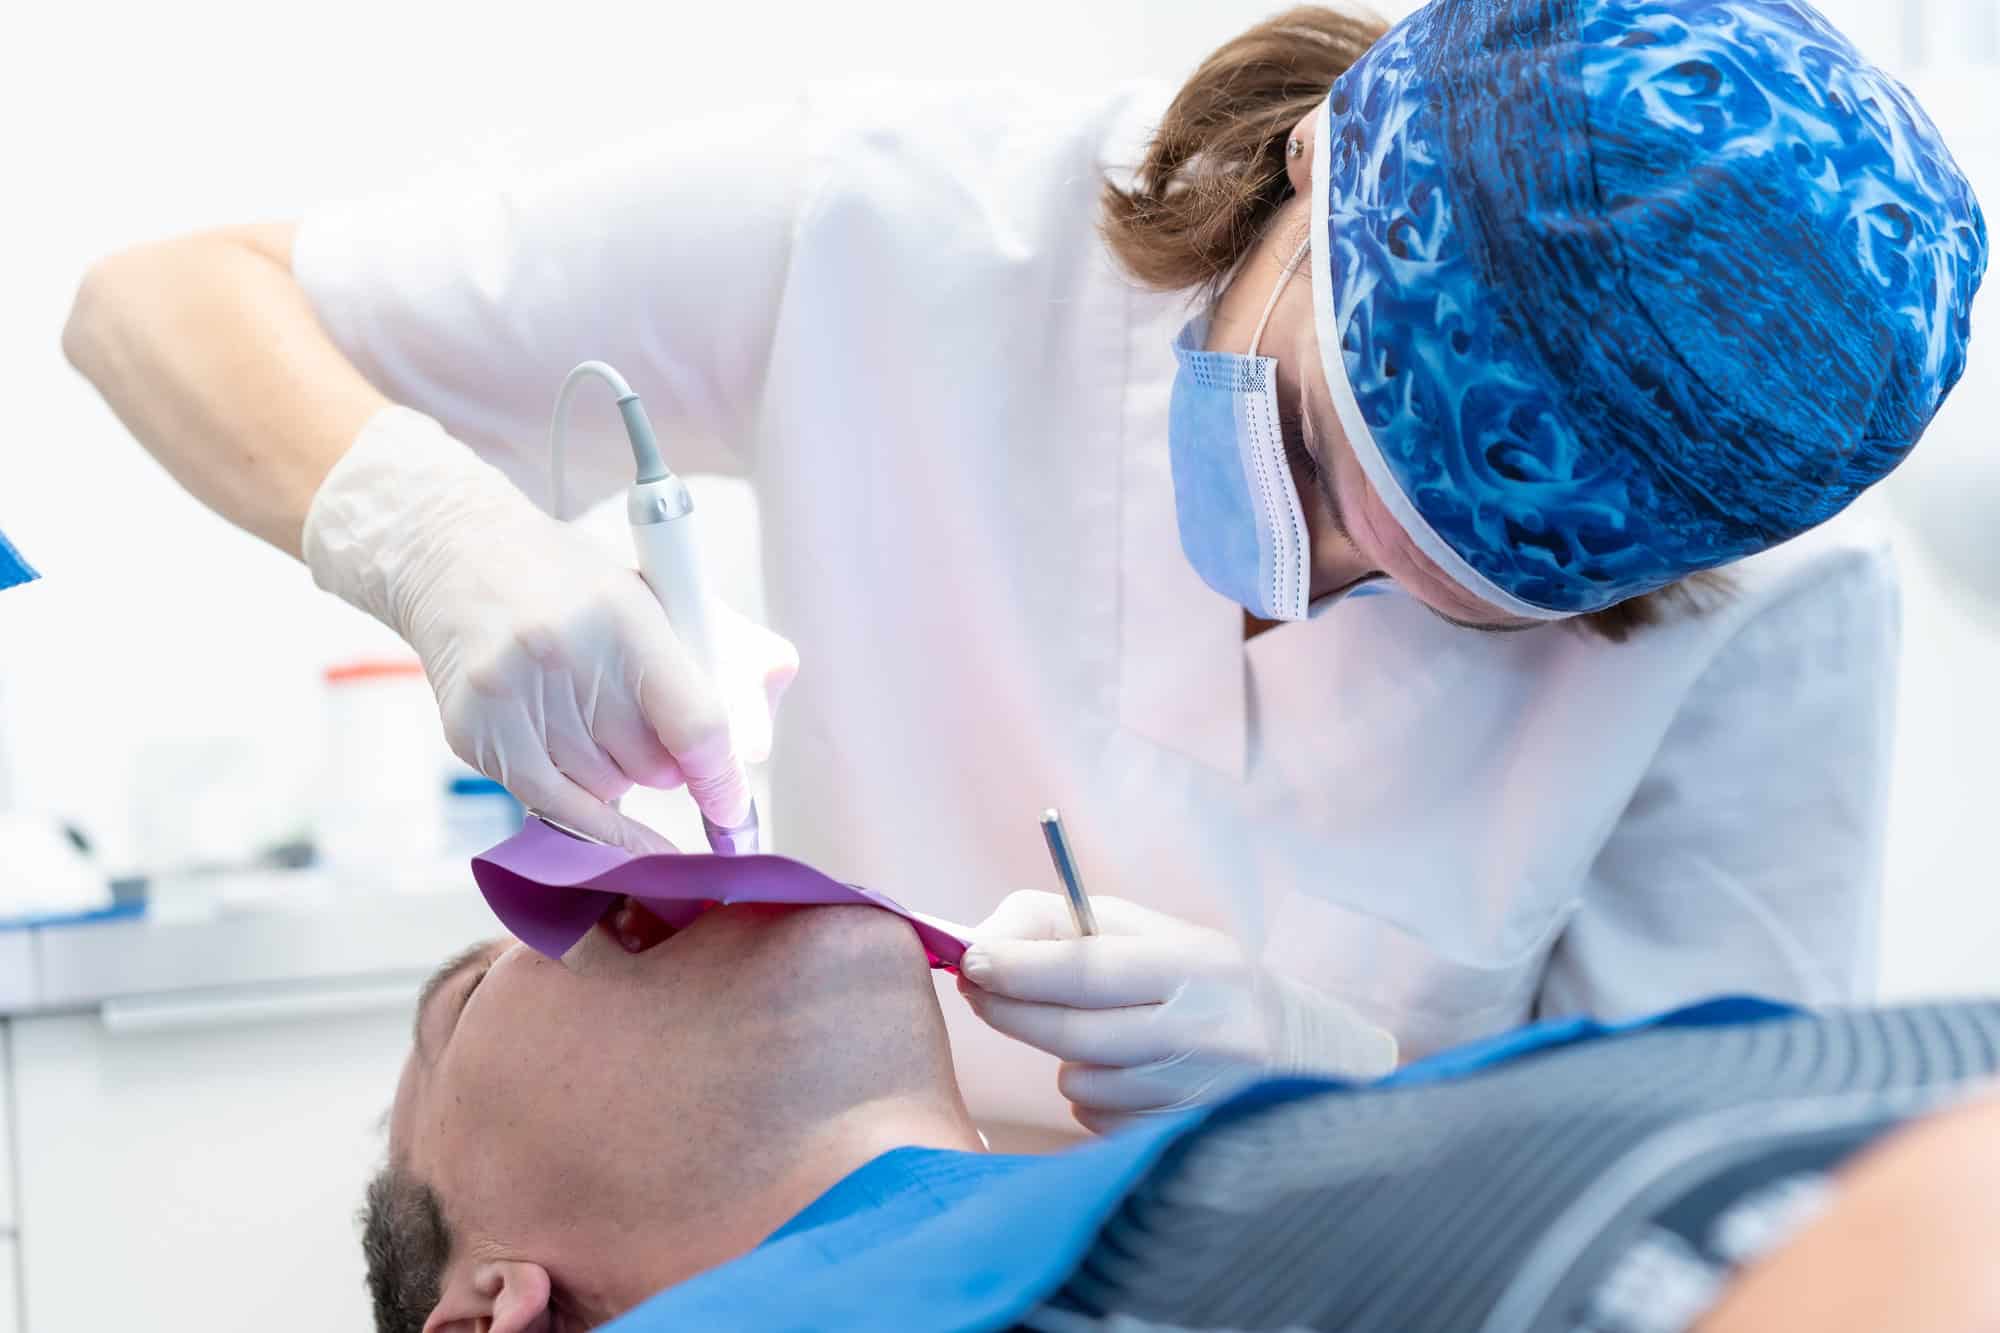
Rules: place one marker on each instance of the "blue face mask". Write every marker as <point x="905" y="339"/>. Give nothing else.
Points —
<point x="1241" y="523"/>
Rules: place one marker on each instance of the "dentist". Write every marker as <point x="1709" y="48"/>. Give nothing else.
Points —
<point x="1361" y="624"/>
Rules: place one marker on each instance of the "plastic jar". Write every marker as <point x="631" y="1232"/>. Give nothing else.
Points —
<point x="380" y="823"/>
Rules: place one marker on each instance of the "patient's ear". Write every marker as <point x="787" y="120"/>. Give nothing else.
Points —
<point x="493" y="1296"/>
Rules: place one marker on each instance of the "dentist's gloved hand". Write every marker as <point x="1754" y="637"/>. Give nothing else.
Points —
<point x="556" y="672"/>
<point x="1153" y="1014"/>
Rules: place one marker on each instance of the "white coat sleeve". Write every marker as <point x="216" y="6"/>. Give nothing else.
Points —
<point x="665" y="257"/>
<point x="1749" y="859"/>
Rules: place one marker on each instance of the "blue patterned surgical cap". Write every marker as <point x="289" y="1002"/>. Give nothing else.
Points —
<point x="1611" y="291"/>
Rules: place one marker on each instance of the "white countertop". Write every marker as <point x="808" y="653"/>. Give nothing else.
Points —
<point x="314" y="938"/>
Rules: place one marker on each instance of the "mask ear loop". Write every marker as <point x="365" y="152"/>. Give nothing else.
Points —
<point x="1291" y="267"/>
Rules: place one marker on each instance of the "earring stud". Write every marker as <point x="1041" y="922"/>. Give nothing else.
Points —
<point x="1295" y="148"/>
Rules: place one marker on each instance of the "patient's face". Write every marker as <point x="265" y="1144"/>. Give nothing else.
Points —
<point x="524" y="1071"/>
<point x="547" y="1102"/>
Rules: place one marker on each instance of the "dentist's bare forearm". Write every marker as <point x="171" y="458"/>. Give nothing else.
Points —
<point x="208" y="351"/>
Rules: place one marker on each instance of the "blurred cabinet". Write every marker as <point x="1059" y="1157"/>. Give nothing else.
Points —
<point x="190" y="1108"/>
<point x="201" y="1157"/>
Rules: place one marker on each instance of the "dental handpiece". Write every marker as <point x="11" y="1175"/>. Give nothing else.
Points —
<point x="661" y="512"/>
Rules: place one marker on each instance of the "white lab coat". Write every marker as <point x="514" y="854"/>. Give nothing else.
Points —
<point x="890" y="309"/>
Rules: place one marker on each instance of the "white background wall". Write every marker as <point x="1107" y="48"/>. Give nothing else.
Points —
<point x="158" y="626"/>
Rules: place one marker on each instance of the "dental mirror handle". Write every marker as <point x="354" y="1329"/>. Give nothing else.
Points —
<point x="1065" y="863"/>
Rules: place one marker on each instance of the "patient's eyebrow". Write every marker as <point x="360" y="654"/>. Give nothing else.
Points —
<point x="440" y="979"/>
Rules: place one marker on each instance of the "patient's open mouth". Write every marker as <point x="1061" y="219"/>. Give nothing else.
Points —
<point x="635" y="927"/>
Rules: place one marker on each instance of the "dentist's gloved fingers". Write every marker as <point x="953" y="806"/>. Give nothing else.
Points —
<point x="687" y="716"/>
<point x="1103" y="1122"/>
<point x="1163" y="1086"/>
<point x="538" y="784"/>
<point x="629" y="740"/>
<point x="1128" y="1036"/>
<point x="505" y="605"/>
<point x="1115" y="1088"/>
<point x="750" y="721"/>
<point x="761" y="668"/>
<point x="782" y="669"/>
<point x="493" y="726"/>
<point x="719" y="785"/>
<point x="646" y="769"/>
<point x="571" y="745"/>
<point x="1030" y="914"/>
<point x="1096" y="972"/>
<point x="565" y="802"/>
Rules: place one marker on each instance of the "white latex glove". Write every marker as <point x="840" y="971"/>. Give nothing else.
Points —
<point x="556" y="672"/>
<point x="1153" y="1014"/>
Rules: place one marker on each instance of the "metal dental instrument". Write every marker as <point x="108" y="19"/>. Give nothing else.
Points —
<point x="565" y="829"/>
<point x="662" y="515"/>
<point x="1079" y="901"/>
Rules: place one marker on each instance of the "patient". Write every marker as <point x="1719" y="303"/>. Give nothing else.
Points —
<point x="579" y="1137"/>
<point x="766" y="1100"/>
